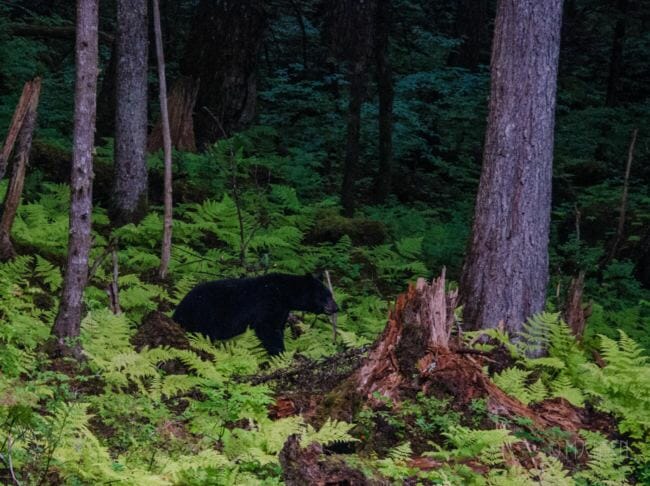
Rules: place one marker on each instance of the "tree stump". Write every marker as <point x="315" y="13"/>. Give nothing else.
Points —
<point x="416" y="353"/>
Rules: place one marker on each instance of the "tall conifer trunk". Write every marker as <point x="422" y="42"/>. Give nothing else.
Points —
<point x="68" y="319"/>
<point x="130" y="181"/>
<point x="506" y="272"/>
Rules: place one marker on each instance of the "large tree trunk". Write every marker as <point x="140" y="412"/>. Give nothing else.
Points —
<point x="19" y="166"/>
<point x="129" y="203"/>
<point x="222" y="53"/>
<point x="68" y="319"/>
<point x="385" y="91"/>
<point x="616" y="56"/>
<point x="506" y="271"/>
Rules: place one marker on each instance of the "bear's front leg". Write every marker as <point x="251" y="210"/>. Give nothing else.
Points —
<point x="272" y="339"/>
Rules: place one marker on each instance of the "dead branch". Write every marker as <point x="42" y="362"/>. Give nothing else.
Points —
<point x="623" y="209"/>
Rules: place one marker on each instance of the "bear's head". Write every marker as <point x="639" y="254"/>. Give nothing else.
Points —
<point x="315" y="297"/>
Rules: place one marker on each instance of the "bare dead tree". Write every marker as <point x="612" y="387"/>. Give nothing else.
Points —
<point x="113" y="289"/>
<point x="19" y="166"/>
<point x="620" y="230"/>
<point x="68" y="319"/>
<point x="167" y="145"/>
<point x="15" y="126"/>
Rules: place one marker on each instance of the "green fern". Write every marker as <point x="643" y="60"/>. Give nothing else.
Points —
<point x="331" y="431"/>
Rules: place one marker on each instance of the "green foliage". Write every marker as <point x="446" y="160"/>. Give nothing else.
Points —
<point x="623" y="385"/>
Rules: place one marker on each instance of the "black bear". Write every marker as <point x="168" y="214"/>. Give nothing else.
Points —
<point x="225" y="308"/>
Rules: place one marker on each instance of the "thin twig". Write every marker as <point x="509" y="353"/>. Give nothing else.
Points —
<point x="109" y="248"/>
<point x="332" y="317"/>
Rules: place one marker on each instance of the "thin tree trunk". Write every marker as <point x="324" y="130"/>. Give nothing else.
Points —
<point x="167" y="146"/>
<point x="21" y="159"/>
<point x="620" y="230"/>
<point x="129" y="201"/>
<point x="352" y="148"/>
<point x="181" y="101"/>
<point x="68" y="319"/>
<point x="506" y="271"/>
<point x="385" y="91"/>
<point x="616" y="56"/>
<point x="16" y="124"/>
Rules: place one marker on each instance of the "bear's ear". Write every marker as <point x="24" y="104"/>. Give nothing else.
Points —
<point x="318" y="275"/>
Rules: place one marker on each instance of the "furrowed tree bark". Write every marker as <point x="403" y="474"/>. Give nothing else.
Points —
<point x="129" y="199"/>
<point x="385" y="91"/>
<point x="181" y="101"/>
<point x="506" y="270"/>
<point x="221" y="52"/>
<point x="19" y="166"/>
<point x="16" y="124"/>
<point x="167" y="146"/>
<point x="68" y="319"/>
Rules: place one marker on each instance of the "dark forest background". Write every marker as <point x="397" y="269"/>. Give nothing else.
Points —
<point x="293" y="107"/>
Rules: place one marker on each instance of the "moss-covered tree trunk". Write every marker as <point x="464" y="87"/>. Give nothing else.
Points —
<point x="129" y="199"/>
<point x="506" y="271"/>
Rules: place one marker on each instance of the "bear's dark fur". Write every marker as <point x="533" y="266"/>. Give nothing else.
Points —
<point x="225" y="308"/>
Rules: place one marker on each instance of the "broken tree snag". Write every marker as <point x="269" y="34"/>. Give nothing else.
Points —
<point x="420" y="323"/>
<point x="19" y="166"/>
<point x="16" y="123"/>
<point x="181" y="101"/>
<point x="575" y="312"/>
